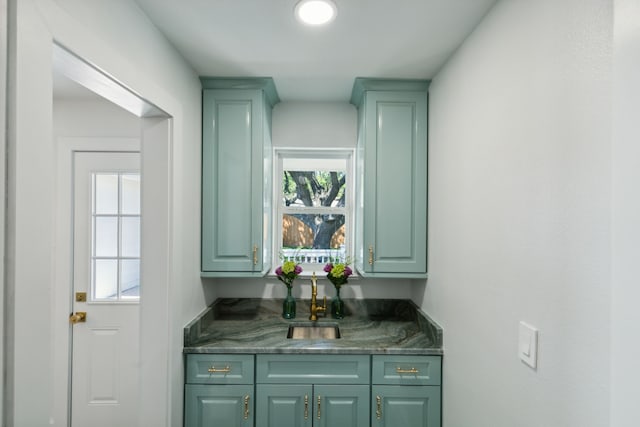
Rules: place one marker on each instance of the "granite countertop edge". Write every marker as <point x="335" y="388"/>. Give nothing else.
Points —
<point x="255" y="326"/>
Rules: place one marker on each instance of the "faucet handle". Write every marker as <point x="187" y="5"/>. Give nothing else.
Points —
<point x="323" y="308"/>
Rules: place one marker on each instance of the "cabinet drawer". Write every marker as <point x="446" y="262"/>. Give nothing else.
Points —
<point x="312" y="369"/>
<point x="406" y="370"/>
<point x="220" y="369"/>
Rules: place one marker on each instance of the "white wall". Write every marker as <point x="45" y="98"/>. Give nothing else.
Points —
<point x="93" y="118"/>
<point x="625" y="316"/>
<point x="116" y="37"/>
<point x="520" y="193"/>
<point x="312" y="125"/>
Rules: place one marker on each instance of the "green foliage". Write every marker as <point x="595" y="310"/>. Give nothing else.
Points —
<point x="313" y="188"/>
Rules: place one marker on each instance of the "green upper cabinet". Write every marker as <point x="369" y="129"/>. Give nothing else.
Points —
<point x="391" y="177"/>
<point x="236" y="176"/>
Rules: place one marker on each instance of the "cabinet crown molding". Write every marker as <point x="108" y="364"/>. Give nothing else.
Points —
<point x="265" y="84"/>
<point x="363" y="84"/>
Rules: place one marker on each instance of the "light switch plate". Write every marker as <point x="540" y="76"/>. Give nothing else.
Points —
<point x="528" y="344"/>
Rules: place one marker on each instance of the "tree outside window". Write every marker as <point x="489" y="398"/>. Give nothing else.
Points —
<point x="314" y="214"/>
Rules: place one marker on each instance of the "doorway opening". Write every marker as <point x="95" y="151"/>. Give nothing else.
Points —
<point x="91" y="113"/>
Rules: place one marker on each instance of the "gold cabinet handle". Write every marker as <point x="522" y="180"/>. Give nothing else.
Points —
<point x="319" y="402"/>
<point x="378" y="407"/>
<point x="406" y="371"/>
<point x="370" y="255"/>
<point x="78" y="317"/>
<point x="214" y="370"/>
<point x="246" y="407"/>
<point x="255" y="254"/>
<point x="306" y="407"/>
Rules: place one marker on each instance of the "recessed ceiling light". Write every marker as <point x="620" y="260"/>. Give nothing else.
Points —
<point x="316" y="12"/>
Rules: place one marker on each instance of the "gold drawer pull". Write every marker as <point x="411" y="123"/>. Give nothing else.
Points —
<point x="406" y="371"/>
<point x="306" y="407"/>
<point x="246" y="407"/>
<point x="319" y="401"/>
<point x="255" y="254"/>
<point x="214" y="370"/>
<point x="370" y="255"/>
<point x="378" y="407"/>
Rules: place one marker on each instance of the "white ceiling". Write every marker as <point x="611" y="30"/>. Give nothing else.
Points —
<point x="261" y="38"/>
<point x="369" y="38"/>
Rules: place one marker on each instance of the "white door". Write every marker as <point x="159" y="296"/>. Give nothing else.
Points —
<point x="105" y="384"/>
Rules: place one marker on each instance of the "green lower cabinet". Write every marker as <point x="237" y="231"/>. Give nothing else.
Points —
<point x="410" y="406"/>
<point x="302" y="405"/>
<point x="341" y="405"/>
<point x="219" y="405"/>
<point x="306" y="390"/>
<point x="287" y="405"/>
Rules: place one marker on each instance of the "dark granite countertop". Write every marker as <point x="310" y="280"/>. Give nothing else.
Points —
<point x="253" y="325"/>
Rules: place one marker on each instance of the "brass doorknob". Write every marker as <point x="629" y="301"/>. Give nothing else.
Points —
<point x="78" y="317"/>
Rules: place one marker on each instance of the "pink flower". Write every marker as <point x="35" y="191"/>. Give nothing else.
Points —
<point x="287" y="272"/>
<point x="328" y="267"/>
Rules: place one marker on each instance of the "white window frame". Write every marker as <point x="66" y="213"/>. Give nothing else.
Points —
<point x="280" y="154"/>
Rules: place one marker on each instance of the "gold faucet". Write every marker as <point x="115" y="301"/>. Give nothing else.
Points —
<point x="315" y="308"/>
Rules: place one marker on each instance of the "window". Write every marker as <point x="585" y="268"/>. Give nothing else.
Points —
<point x="314" y="207"/>
<point x="115" y="237"/>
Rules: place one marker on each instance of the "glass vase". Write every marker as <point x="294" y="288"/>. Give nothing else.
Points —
<point x="337" y="305"/>
<point x="289" y="306"/>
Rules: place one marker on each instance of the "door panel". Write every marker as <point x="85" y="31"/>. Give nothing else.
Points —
<point x="105" y="384"/>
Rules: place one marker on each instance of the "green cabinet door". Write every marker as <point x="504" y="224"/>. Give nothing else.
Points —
<point x="407" y="406"/>
<point x="236" y="177"/>
<point x="341" y="405"/>
<point x="303" y="405"/>
<point x="220" y="405"/>
<point x="284" y="405"/>
<point x="391" y="176"/>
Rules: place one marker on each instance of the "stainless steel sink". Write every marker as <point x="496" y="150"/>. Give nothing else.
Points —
<point x="313" y="332"/>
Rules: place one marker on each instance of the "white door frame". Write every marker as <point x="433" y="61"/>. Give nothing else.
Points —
<point x="63" y="289"/>
<point x="3" y="148"/>
<point x="156" y="359"/>
<point x="156" y="195"/>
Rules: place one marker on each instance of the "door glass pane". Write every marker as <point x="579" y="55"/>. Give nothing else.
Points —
<point x="105" y="279"/>
<point x="106" y="238"/>
<point x="106" y="193"/>
<point x="130" y="194"/>
<point x="130" y="278"/>
<point x="116" y="237"/>
<point x="130" y="239"/>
